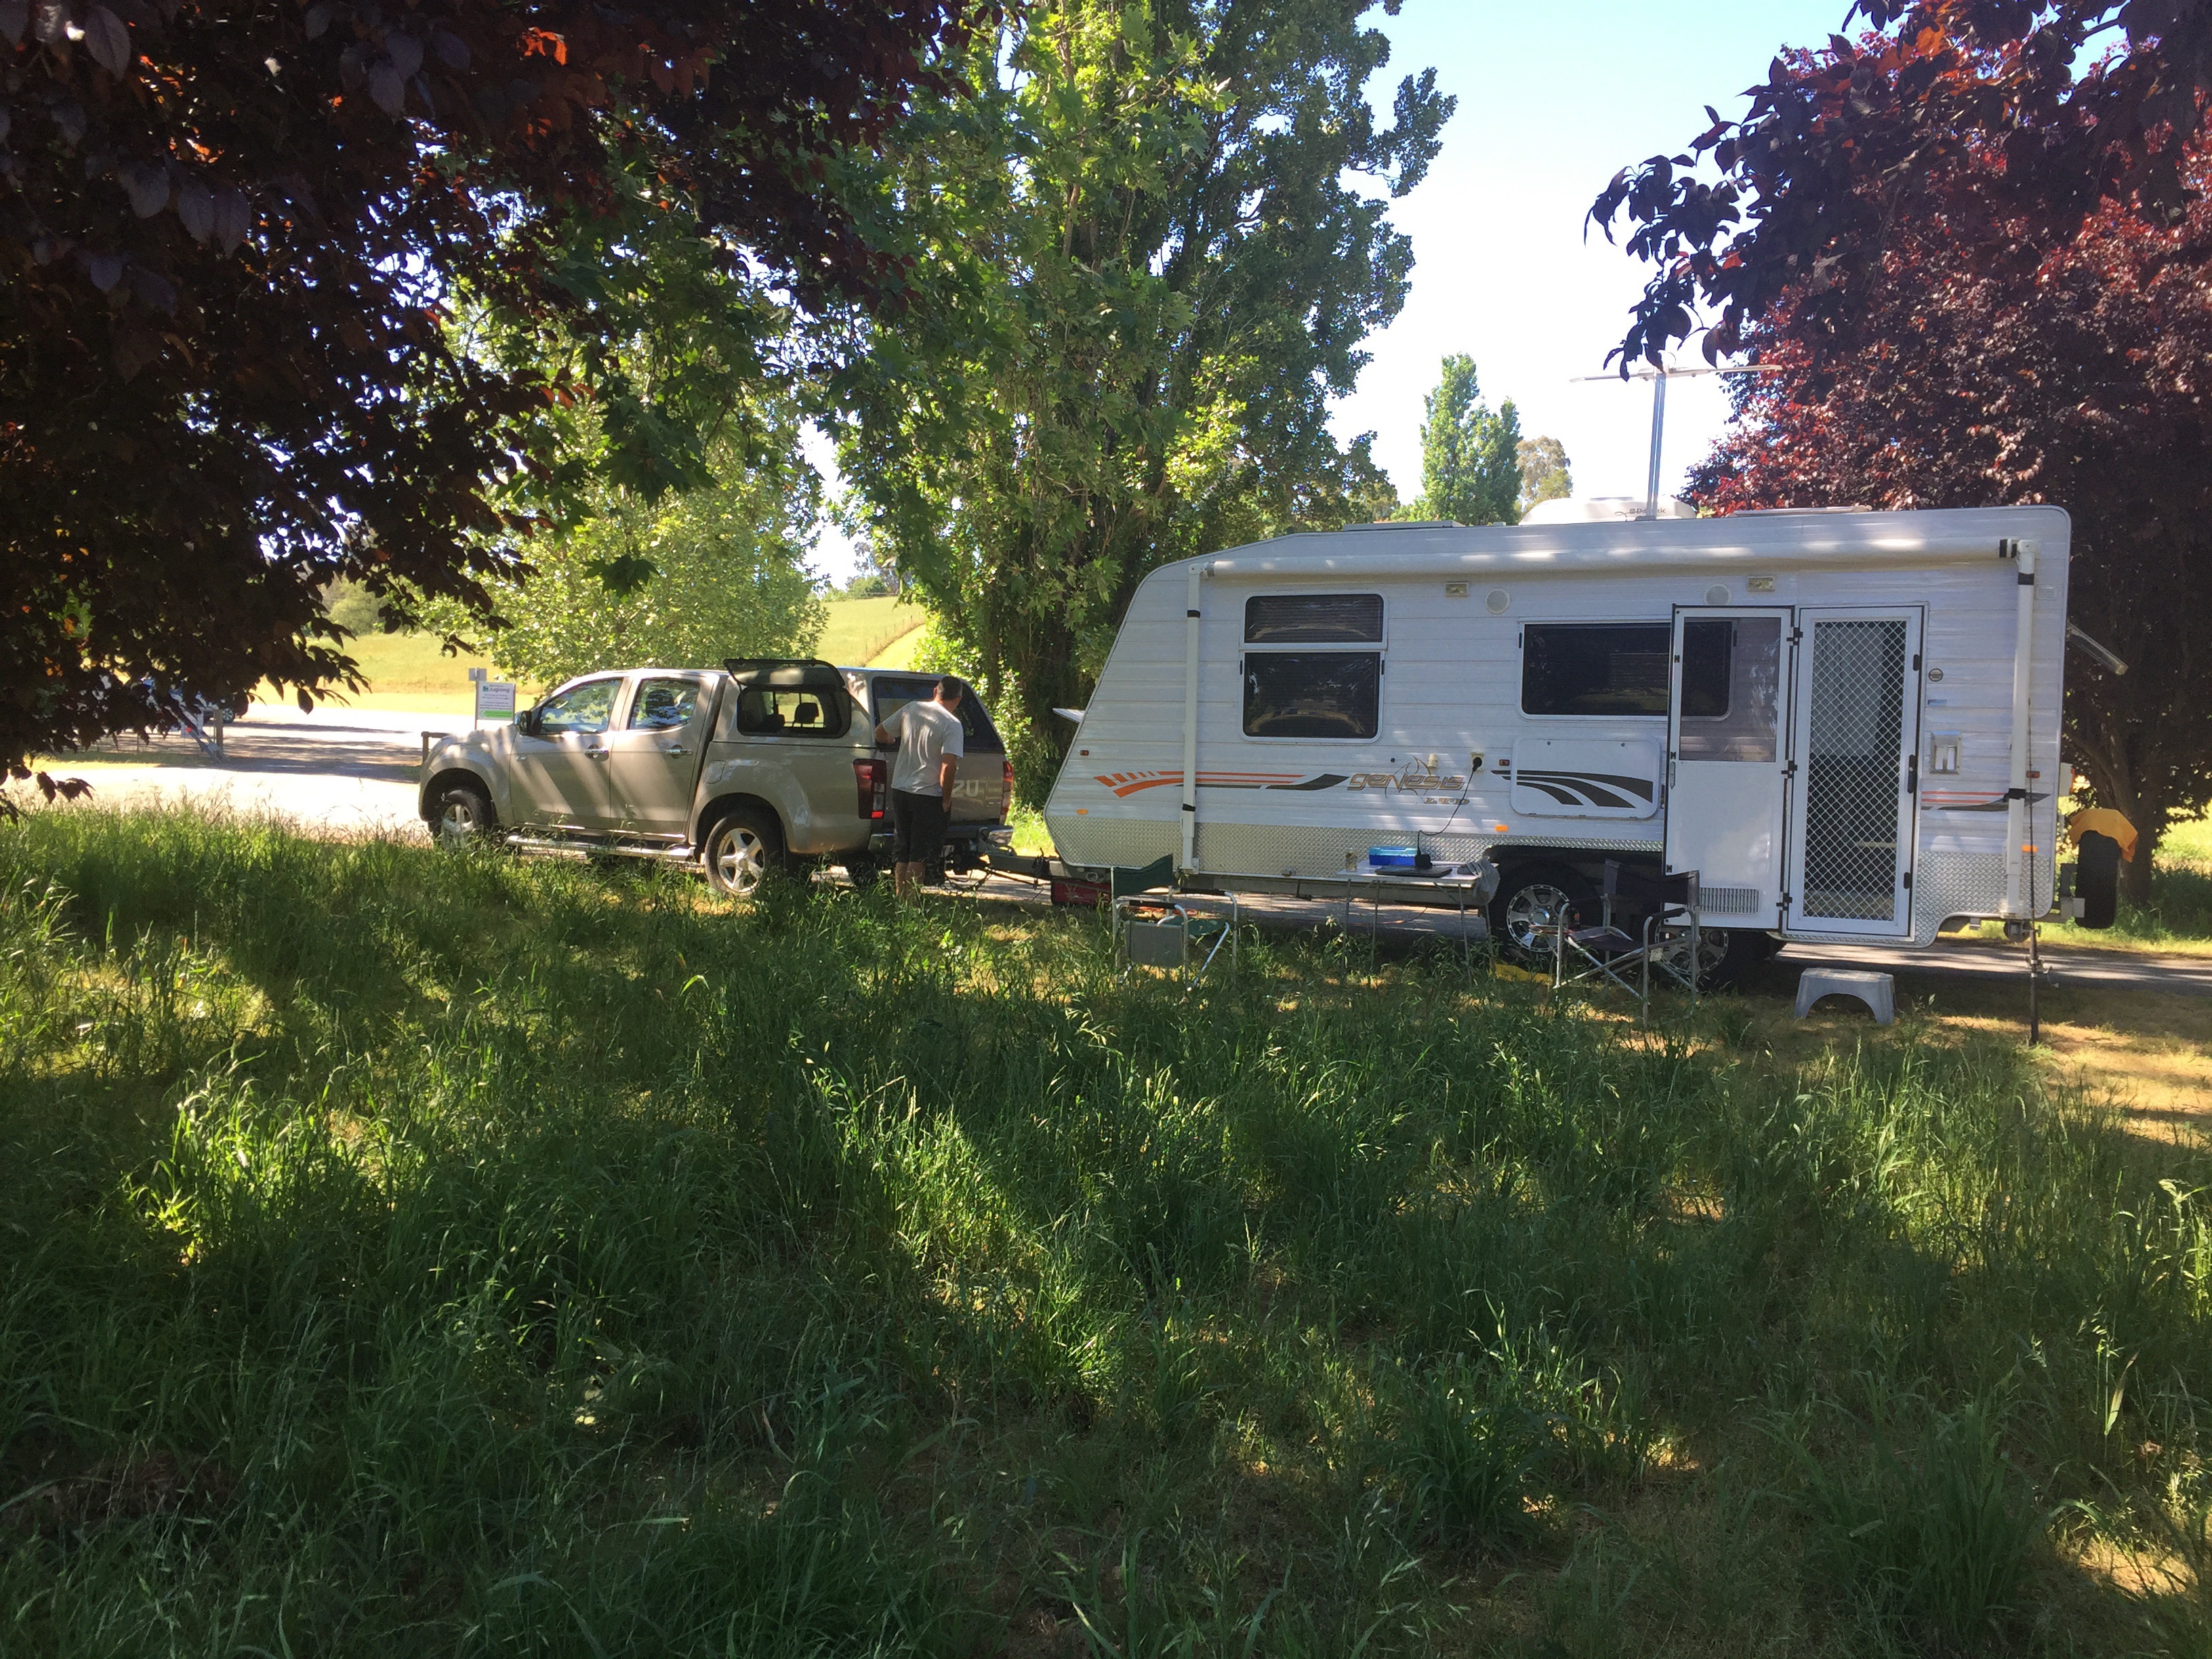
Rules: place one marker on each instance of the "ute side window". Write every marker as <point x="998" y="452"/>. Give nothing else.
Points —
<point x="585" y="709"/>
<point x="1293" y="690"/>
<point x="1603" y="669"/>
<point x="662" y="705"/>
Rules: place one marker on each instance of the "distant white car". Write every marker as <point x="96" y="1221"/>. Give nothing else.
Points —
<point x="764" y="764"/>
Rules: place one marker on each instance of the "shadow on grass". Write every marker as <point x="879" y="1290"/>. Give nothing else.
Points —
<point x="563" y="1256"/>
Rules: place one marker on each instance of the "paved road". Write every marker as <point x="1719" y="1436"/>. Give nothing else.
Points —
<point x="350" y="770"/>
<point x="339" y="769"/>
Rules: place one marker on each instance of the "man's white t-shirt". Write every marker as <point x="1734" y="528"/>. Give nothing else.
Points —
<point x="926" y="732"/>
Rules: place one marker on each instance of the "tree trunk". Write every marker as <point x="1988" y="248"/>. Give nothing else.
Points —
<point x="2109" y="761"/>
<point x="2135" y="875"/>
<point x="1043" y="666"/>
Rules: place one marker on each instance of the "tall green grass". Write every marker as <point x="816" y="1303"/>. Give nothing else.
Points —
<point x="404" y="1252"/>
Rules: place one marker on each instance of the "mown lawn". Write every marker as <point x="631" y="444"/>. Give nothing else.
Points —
<point x="407" y="1253"/>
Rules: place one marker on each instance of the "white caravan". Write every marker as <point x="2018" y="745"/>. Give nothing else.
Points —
<point x="1845" y="722"/>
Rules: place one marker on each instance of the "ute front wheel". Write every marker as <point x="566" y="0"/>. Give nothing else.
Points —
<point x="465" y="817"/>
<point x="741" y="850"/>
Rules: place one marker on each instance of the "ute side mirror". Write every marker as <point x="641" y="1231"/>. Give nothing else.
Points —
<point x="530" y="723"/>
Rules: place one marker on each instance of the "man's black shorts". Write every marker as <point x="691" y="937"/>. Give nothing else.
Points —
<point x="917" y="827"/>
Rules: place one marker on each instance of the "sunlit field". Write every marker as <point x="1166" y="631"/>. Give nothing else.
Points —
<point x="410" y="1253"/>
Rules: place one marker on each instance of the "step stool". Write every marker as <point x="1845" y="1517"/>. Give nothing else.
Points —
<point x="1877" y="991"/>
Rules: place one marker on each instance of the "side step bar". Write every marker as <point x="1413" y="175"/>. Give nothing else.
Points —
<point x="611" y="848"/>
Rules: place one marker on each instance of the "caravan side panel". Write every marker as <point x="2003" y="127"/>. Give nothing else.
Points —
<point x="1457" y="609"/>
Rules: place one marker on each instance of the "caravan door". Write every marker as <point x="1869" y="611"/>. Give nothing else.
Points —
<point x="1726" y="720"/>
<point x="1851" y="795"/>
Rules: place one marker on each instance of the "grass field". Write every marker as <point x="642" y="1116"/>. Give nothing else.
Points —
<point x="408" y="1253"/>
<point x="858" y="631"/>
<point x="408" y="673"/>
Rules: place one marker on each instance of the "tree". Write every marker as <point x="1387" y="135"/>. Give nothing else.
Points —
<point x="721" y="573"/>
<point x="1544" y="473"/>
<point x="237" y="239"/>
<point x="1840" y="155"/>
<point x="1470" y="457"/>
<point x="1142" y="272"/>
<point x="2074" y="377"/>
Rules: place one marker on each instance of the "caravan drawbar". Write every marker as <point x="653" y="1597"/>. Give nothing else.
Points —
<point x="1845" y="722"/>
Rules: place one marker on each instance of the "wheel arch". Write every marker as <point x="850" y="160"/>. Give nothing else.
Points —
<point x="427" y="805"/>
<point x="721" y="806"/>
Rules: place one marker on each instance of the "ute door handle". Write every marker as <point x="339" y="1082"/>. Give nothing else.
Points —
<point x="596" y="754"/>
<point x="676" y="749"/>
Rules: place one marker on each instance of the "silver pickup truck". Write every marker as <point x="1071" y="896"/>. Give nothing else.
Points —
<point x="761" y="765"/>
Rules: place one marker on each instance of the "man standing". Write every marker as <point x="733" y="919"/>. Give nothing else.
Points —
<point x="930" y="741"/>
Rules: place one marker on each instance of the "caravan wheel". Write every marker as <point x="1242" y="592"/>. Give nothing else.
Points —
<point x="1527" y="906"/>
<point x="1725" y="955"/>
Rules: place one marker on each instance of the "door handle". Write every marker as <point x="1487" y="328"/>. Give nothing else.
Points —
<point x="596" y="754"/>
<point x="676" y="749"/>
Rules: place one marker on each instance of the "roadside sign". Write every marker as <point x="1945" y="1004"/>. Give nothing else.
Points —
<point x="494" y="701"/>
<point x="479" y="675"/>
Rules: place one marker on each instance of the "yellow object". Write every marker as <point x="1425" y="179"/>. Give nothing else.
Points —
<point x="2105" y="822"/>
<point x="1507" y="970"/>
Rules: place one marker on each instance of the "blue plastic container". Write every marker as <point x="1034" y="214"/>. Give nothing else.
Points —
<point x="1390" y="858"/>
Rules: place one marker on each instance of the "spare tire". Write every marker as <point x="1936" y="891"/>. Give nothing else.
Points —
<point x="2097" y="879"/>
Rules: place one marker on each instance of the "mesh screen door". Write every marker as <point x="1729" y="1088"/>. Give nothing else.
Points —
<point x="1853" y="818"/>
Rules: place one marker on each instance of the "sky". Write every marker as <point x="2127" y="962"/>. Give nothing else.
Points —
<point x="1553" y="99"/>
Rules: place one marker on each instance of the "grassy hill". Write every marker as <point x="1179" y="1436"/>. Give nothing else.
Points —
<point x="859" y="630"/>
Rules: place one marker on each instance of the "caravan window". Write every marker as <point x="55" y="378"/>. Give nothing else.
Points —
<point x="1731" y="687"/>
<point x="1313" y="619"/>
<point x="1312" y="694"/>
<point x="1594" y="668"/>
<point x="1305" y="693"/>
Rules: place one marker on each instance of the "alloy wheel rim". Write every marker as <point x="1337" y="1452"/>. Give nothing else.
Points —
<point x="741" y="860"/>
<point x="1536" y="908"/>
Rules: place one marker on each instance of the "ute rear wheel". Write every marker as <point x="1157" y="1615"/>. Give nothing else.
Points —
<point x="741" y="850"/>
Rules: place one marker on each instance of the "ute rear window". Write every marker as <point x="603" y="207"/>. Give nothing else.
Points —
<point x="893" y="693"/>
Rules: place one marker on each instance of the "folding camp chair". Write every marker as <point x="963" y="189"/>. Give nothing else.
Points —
<point x="1151" y="932"/>
<point x="1607" y="953"/>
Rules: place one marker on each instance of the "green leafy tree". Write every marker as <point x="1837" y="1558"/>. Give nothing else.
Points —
<point x="681" y="581"/>
<point x="1470" y="457"/>
<point x="1145" y="265"/>
<point x="1544" y="473"/>
<point x="230" y="234"/>
<point x="684" y="511"/>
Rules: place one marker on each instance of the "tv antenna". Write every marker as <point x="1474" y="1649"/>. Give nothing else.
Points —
<point x="1659" y="377"/>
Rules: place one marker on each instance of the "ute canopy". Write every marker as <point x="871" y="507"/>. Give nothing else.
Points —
<point x="785" y="673"/>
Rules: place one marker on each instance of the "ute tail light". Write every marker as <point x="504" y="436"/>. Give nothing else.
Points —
<point x="1006" y="791"/>
<point x="868" y="781"/>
